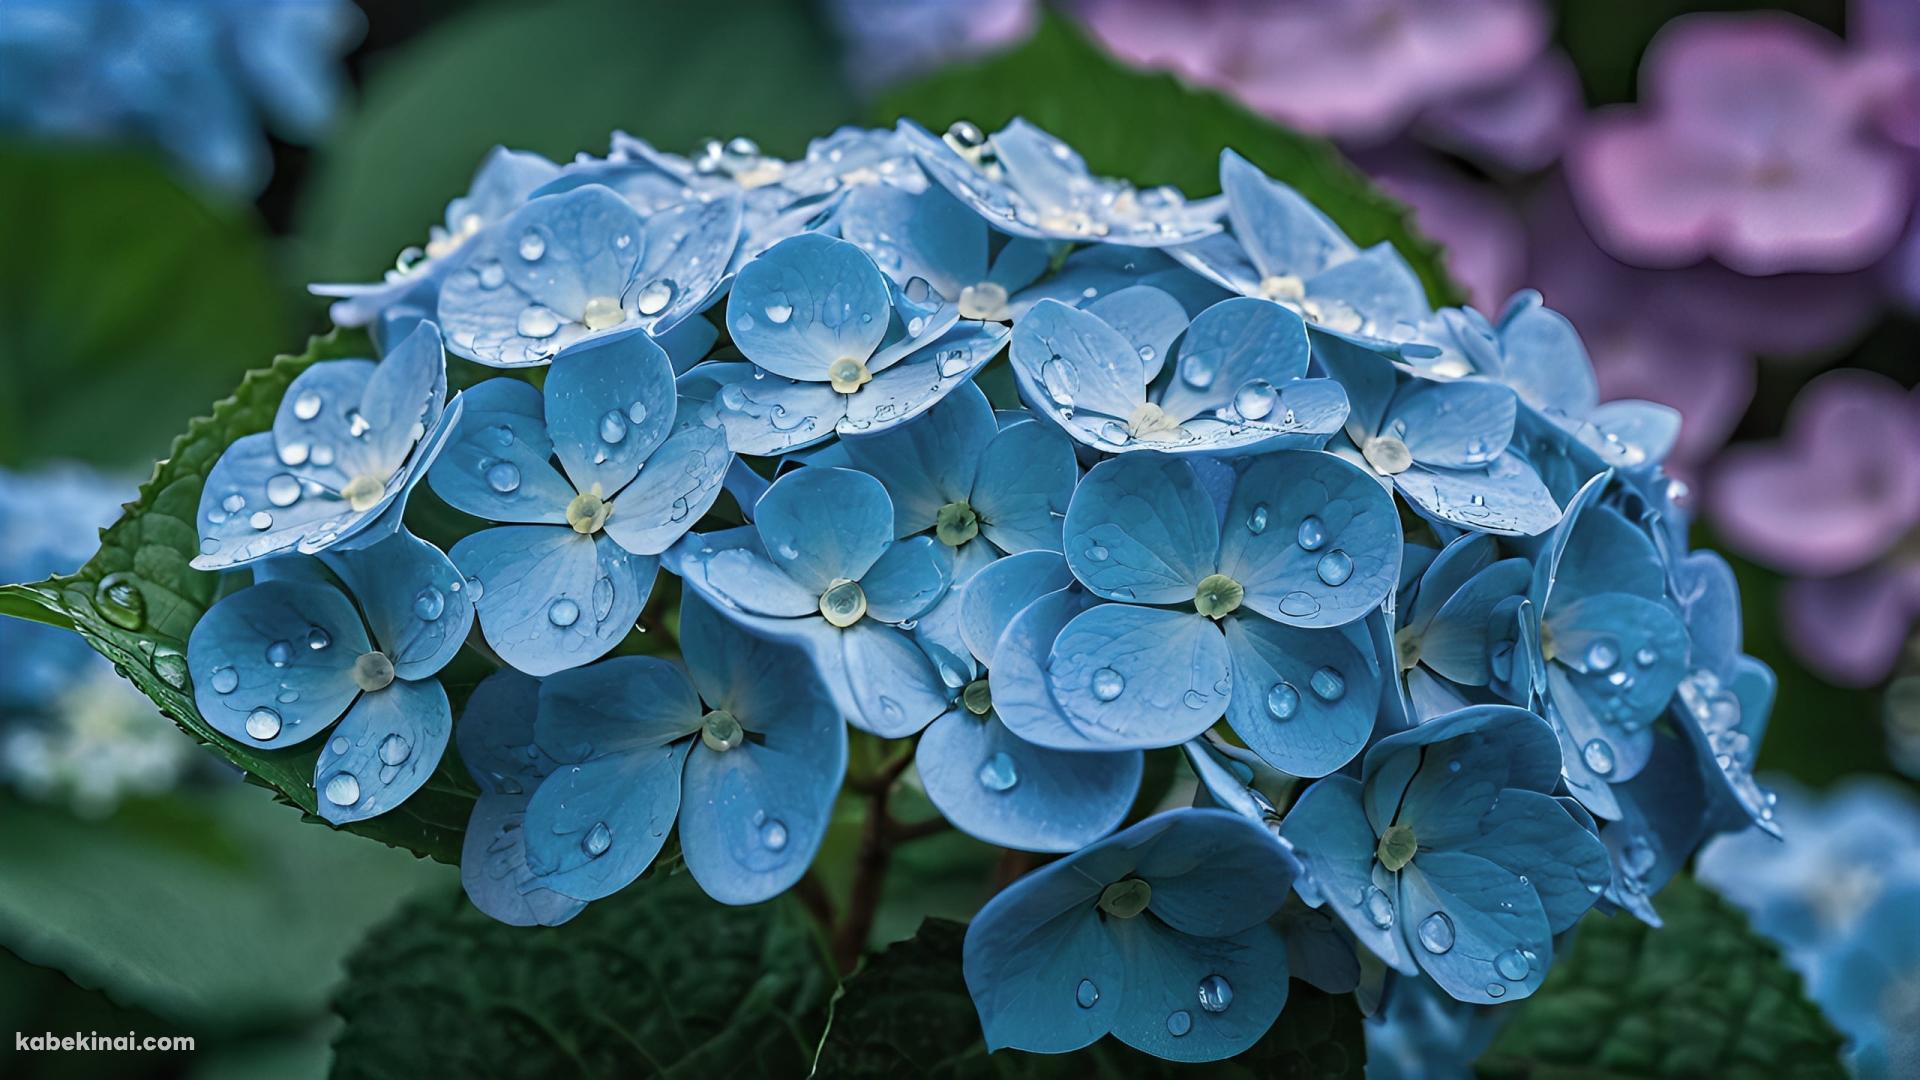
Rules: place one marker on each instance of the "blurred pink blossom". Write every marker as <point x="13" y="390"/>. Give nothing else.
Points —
<point x="1749" y="146"/>
<point x="1835" y="502"/>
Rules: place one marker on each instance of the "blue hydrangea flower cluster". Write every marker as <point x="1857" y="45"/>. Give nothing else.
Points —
<point x="946" y="438"/>
<point x="195" y="78"/>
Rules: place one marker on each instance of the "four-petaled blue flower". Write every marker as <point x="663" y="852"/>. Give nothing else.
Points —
<point x="1157" y="935"/>
<point x="350" y="440"/>
<point x="835" y="347"/>
<point x="276" y="663"/>
<point x="563" y="583"/>
<point x="1450" y="855"/>
<point x="821" y="568"/>
<point x="1238" y="387"/>
<point x="1249" y="588"/>
<point x="751" y="773"/>
<point x="1025" y="182"/>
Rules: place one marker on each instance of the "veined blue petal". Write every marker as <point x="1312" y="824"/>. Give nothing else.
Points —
<point x="386" y="746"/>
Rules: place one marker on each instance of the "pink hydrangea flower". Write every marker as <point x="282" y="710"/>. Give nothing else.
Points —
<point x="1359" y="70"/>
<point x="1749" y="146"/>
<point x="1835" y="502"/>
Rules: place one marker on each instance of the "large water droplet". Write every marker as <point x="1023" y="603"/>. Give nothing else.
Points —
<point x="1313" y="533"/>
<point x="563" y="612"/>
<point x="1335" y="567"/>
<point x="997" y="773"/>
<point x="1215" y="993"/>
<point x="597" y="841"/>
<point x="1107" y="684"/>
<point x="1436" y="933"/>
<point x="1282" y="701"/>
<point x="343" y="789"/>
<point x="262" y="723"/>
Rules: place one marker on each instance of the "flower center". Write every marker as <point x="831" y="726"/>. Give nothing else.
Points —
<point x="977" y="697"/>
<point x="1388" y="455"/>
<point x="1125" y="899"/>
<point x="847" y="375"/>
<point x="1397" y="846"/>
<point x="373" y="671"/>
<point x="1150" y="421"/>
<point x="1217" y="596"/>
<point x="843" y="603"/>
<point x="721" y="732"/>
<point x="987" y="300"/>
<point x="363" y="493"/>
<point x="603" y="313"/>
<point x="956" y="523"/>
<point x="588" y="512"/>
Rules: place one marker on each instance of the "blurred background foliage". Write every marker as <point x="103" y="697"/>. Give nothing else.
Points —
<point x="130" y="298"/>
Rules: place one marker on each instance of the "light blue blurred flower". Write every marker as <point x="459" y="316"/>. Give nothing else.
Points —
<point x="1025" y="182"/>
<point x="834" y="347"/>
<point x="1450" y="855"/>
<point x="1157" y="935"/>
<point x="1229" y="592"/>
<point x="198" y="79"/>
<point x="349" y="441"/>
<point x="1282" y="248"/>
<point x="1239" y="384"/>
<point x="276" y="663"/>
<point x="821" y="568"/>
<point x="747" y="755"/>
<point x="566" y="579"/>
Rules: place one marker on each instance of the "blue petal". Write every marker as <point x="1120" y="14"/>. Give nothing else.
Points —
<point x="930" y="235"/>
<point x="930" y="461"/>
<point x="609" y="403"/>
<point x="593" y="828"/>
<point x="1314" y="540"/>
<point x="804" y="303"/>
<point x="1286" y="708"/>
<point x="822" y="525"/>
<point x="1618" y="659"/>
<point x="502" y="443"/>
<point x="907" y="580"/>
<point x="550" y="598"/>
<point x="1003" y="790"/>
<point x="629" y="705"/>
<point x="1234" y="351"/>
<point x="494" y="871"/>
<point x="495" y="735"/>
<point x="1491" y="914"/>
<point x="1506" y="497"/>
<point x="416" y="603"/>
<point x="520" y="292"/>
<point x="1282" y="232"/>
<point x="1329" y="832"/>
<point x="1140" y="677"/>
<point x="1453" y="425"/>
<point x="1025" y="481"/>
<point x="252" y="658"/>
<point x="1140" y="528"/>
<point x="1067" y="360"/>
<point x="676" y="488"/>
<point x="1532" y="835"/>
<point x="1148" y="318"/>
<point x="991" y="598"/>
<point x="1161" y="1013"/>
<point x="388" y="744"/>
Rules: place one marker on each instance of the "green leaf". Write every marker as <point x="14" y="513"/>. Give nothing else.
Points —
<point x="137" y="600"/>
<point x="1702" y="996"/>
<point x="1151" y="130"/>
<point x="557" y="78"/>
<point x="906" y="1012"/>
<point x="125" y="303"/>
<point x="207" y="910"/>
<point x="658" y="980"/>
